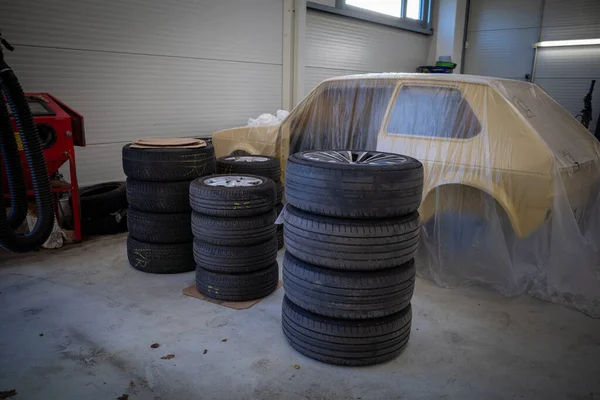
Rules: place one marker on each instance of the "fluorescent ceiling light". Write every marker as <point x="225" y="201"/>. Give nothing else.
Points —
<point x="565" y="43"/>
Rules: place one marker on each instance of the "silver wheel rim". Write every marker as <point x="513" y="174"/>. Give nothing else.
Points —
<point x="233" y="181"/>
<point x="247" y="159"/>
<point x="355" y="157"/>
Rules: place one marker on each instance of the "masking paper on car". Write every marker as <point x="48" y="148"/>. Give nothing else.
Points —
<point x="511" y="195"/>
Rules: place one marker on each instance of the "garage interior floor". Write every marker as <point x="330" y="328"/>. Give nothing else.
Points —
<point x="78" y="323"/>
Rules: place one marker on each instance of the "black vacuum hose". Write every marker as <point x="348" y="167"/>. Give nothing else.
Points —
<point x="9" y="240"/>
<point x="13" y="169"/>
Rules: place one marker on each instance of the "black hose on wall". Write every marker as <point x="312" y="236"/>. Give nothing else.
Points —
<point x="9" y="240"/>
<point x="13" y="169"/>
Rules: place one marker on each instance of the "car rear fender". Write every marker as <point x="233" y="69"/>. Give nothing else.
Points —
<point x="458" y="197"/>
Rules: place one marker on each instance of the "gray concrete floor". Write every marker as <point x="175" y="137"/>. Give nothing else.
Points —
<point x="99" y="316"/>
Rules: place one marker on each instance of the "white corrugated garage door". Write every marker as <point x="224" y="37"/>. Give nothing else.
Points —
<point x="148" y="68"/>
<point x="500" y="38"/>
<point x="565" y="72"/>
<point x="337" y="45"/>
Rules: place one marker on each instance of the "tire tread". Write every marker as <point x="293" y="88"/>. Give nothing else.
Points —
<point x="346" y="342"/>
<point x="348" y="294"/>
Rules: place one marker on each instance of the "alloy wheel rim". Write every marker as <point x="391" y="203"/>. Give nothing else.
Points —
<point x="233" y="181"/>
<point x="355" y="157"/>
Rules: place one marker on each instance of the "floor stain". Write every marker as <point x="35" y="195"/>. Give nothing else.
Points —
<point x="452" y="337"/>
<point x="29" y="312"/>
<point x="261" y="365"/>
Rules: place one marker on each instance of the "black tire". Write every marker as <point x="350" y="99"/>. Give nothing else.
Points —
<point x="242" y="231"/>
<point x="110" y="224"/>
<point x="102" y="199"/>
<point x="235" y="259"/>
<point x="280" y="239"/>
<point x="221" y="201"/>
<point x="159" y="227"/>
<point x="168" y="165"/>
<point x="354" y="190"/>
<point x="349" y="244"/>
<point x="278" y="192"/>
<point x="160" y="197"/>
<point x="346" y="342"/>
<point x="266" y="166"/>
<point x="348" y="294"/>
<point x="238" y="287"/>
<point x="160" y="258"/>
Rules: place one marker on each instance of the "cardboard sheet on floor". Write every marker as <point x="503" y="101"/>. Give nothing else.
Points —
<point x="236" y="305"/>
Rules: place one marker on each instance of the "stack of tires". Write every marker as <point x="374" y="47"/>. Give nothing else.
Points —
<point x="235" y="246"/>
<point x="269" y="167"/>
<point x="159" y="216"/>
<point x="351" y="231"/>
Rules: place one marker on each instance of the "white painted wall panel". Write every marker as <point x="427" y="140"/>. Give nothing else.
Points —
<point x="501" y="33"/>
<point x="148" y="68"/>
<point x="338" y="42"/>
<point x="571" y="13"/>
<point x="98" y="163"/>
<point x="565" y="72"/>
<point x="569" y="62"/>
<point x="571" y="32"/>
<point x="500" y="53"/>
<point x="248" y="30"/>
<point x="488" y="15"/>
<point x="124" y="96"/>
<point x="576" y="19"/>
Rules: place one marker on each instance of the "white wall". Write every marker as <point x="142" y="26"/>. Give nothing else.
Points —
<point x="448" y="21"/>
<point x="337" y="45"/>
<point x="148" y="69"/>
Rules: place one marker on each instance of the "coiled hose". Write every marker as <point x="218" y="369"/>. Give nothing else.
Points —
<point x="13" y="93"/>
<point x="13" y="169"/>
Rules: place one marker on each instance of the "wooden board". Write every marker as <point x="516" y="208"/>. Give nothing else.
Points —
<point x="168" y="143"/>
<point x="236" y="305"/>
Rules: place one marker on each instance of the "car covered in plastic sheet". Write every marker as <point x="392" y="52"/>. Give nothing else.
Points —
<point x="511" y="191"/>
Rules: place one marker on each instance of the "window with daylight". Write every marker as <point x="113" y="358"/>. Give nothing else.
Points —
<point x="404" y="9"/>
<point x="411" y="15"/>
<point x="388" y="7"/>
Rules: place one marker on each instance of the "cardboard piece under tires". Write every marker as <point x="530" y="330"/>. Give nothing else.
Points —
<point x="236" y="305"/>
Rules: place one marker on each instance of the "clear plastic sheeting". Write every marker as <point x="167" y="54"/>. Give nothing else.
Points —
<point x="511" y="196"/>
